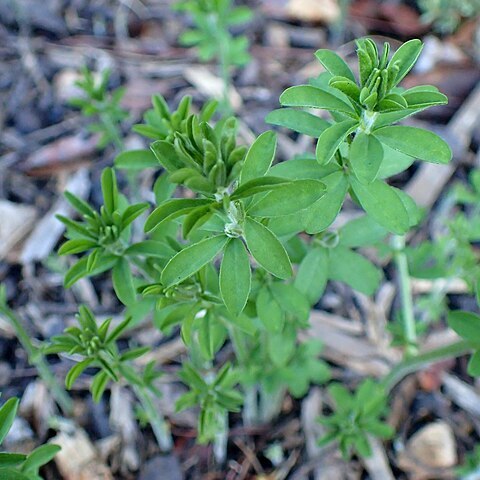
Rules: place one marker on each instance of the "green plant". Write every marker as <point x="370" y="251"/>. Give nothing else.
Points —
<point x="222" y="263"/>
<point x="16" y="466"/>
<point x="97" y="102"/>
<point x="356" y="417"/>
<point x="446" y="15"/>
<point x="213" y="20"/>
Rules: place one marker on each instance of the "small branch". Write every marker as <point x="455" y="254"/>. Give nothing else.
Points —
<point x="413" y="364"/>
<point x="398" y="244"/>
<point x="36" y="358"/>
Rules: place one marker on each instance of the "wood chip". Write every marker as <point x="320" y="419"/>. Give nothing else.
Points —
<point x="17" y="221"/>
<point x="77" y="459"/>
<point x="322" y="11"/>
<point x="48" y="231"/>
<point x="210" y="85"/>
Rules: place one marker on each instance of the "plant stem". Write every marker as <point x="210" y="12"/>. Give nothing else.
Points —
<point x="412" y="364"/>
<point x="270" y="404"/>
<point x="410" y="332"/>
<point x="221" y="439"/>
<point x="157" y="422"/>
<point x="36" y="358"/>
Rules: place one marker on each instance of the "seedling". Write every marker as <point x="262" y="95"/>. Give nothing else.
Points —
<point x="213" y="20"/>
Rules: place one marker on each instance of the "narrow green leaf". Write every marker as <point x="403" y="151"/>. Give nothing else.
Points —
<point x="267" y="249"/>
<point x="151" y="248"/>
<point x="416" y="142"/>
<point x="466" y="324"/>
<point x="165" y="153"/>
<point x="7" y="416"/>
<point x="421" y="99"/>
<point x="191" y="259"/>
<point x="473" y="367"/>
<point x="123" y="282"/>
<point x="298" y="121"/>
<point x="76" y="245"/>
<point x="334" y="64"/>
<point x="39" y="457"/>
<point x="259" y="157"/>
<point x="99" y="384"/>
<point x="366" y="155"/>
<point x="76" y="371"/>
<point x="287" y="199"/>
<point x="132" y="212"/>
<point x="383" y="204"/>
<point x="405" y="57"/>
<point x="331" y="139"/>
<point x="172" y="209"/>
<point x="258" y="185"/>
<point x="136" y="160"/>
<point x="109" y="190"/>
<point x="309" y="96"/>
<point x="235" y="276"/>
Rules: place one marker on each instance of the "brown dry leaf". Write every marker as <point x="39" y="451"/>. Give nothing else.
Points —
<point x="323" y="11"/>
<point x="16" y="222"/>
<point x="429" y="451"/>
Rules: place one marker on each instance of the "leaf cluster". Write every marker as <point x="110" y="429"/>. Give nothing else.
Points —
<point x="360" y="145"/>
<point x="356" y="416"/>
<point x="96" y="347"/>
<point x="98" y="102"/>
<point x="211" y="33"/>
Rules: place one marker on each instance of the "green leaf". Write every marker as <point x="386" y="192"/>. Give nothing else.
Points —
<point x="136" y="160"/>
<point x="10" y="460"/>
<point x="79" y="269"/>
<point x="312" y="274"/>
<point x="383" y="204"/>
<point x="123" y="282"/>
<point x="151" y="248"/>
<point x="211" y="336"/>
<point x="334" y="64"/>
<point x="291" y="300"/>
<point x="259" y="157"/>
<point x="465" y="324"/>
<point x="393" y="162"/>
<point x="7" y="416"/>
<point x="76" y="371"/>
<point x="405" y="57"/>
<point x="165" y="153"/>
<point x="323" y="212"/>
<point x="267" y="249"/>
<point x="281" y="346"/>
<point x="361" y="232"/>
<point x="235" y="276"/>
<point x="473" y="367"/>
<point x="11" y="474"/>
<point x="354" y="270"/>
<point x="416" y="142"/>
<point x="269" y="311"/>
<point x="39" y="457"/>
<point x="191" y="259"/>
<point x="308" y="96"/>
<point x="331" y="139"/>
<point x="421" y="99"/>
<point x="132" y="212"/>
<point x="258" y="185"/>
<point x="99" y="384"/>
<point x="366" y="155"/>
<point x="292" y="197"/>
<point x="76" y="245"/>
<point x="172" y="209"/>
<point x="109" y="190"/>
<point x="298" y="121"/>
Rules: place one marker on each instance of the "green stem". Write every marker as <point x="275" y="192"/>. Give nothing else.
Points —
<point x="36" y="358"/>
<point x="155" y="418"/>
<point x="413" y="364"/>
<point x="270" y="404"/>
<point x="398" y="244"/>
